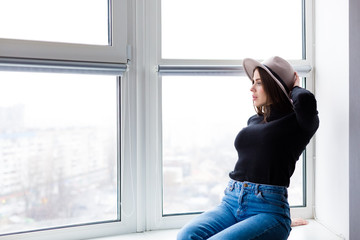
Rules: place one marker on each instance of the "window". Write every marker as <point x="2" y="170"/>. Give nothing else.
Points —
<point x="62" y="151"/>
<point x="234" y="29"/>
<point x="201" y="116"/>
<point x="65" y="21"/>
<point x="105" y="137"/>
<point x="202" y="96"/>
<point x="76" y="30"/>
<point x="58" y="150"/>
<point x="200" y="119"/>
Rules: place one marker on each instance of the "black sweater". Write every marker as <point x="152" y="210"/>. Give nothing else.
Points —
<point x="267" y="151"/>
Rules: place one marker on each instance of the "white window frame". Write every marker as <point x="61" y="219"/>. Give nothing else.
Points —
<point x="153" y="207"/>
<point x="126" y="169"/>
<point x="140" y="103"/>
<point x="116" y="52"/>
<point x="40" y="56"/>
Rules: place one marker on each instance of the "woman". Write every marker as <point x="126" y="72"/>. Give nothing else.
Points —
<point x="255" y="204"/>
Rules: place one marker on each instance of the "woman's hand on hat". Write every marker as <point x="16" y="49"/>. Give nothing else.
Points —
<point x="297" y="80"/>
<point x="296" y="83"/>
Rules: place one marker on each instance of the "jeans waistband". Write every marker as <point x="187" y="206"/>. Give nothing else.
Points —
<point x="255" y="187"/>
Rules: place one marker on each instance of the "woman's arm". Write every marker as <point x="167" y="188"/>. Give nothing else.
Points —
<point x="305" y="107"/>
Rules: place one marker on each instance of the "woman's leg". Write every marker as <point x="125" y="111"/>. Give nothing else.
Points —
<point x="207" y="224"/>
<point x="248" y="211"/>
<point x="263" y="214"/>
<point x="260" y="227"/>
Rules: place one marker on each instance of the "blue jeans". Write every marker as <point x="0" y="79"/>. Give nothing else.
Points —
<point x="247" y="211"/>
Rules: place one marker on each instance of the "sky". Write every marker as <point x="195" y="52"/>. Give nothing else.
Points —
<point x="60" y="99"/>
<point x="234" y="29"/>
<point x="56" y="20"/>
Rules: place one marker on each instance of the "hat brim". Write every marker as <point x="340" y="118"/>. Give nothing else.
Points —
<point x="249" y="66"/>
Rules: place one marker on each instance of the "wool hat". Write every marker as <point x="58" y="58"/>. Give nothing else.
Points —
<point x="278" y="68"/>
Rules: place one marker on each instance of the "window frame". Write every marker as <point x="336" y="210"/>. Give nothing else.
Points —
<point x="40" y="56"/>
<point x="126" y="183"/>
<point x="114" y="52"/>
<point x="184" y="67"/>
<point x="140" y="106"/>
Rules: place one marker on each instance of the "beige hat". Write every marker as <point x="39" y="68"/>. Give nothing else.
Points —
<point x="279" y="69"/>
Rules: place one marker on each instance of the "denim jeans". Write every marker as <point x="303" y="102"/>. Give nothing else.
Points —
<point x="247" y="211"/>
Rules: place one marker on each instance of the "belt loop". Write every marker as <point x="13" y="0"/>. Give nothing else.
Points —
<point x="257" y="189"/>
<point x="231" y="185"/>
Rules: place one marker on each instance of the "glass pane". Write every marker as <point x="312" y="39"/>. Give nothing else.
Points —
<point x="70" y="21"/>
<point x="201" y="118"/>
<point x="58" y="150"/>
<point x="231" y="29"/>
<point x="296" y="188"/>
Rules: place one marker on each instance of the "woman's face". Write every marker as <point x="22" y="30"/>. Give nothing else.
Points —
<point x="258" y="92"/>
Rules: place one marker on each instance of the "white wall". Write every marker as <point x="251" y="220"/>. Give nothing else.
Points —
<point x="332" y="92"/>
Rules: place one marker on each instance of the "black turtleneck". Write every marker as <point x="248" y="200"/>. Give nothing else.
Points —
<point x="267" y="151"/>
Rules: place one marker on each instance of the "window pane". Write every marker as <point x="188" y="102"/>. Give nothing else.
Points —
<point x="297" y="188"/>
<point x="70" y="21"/>
<point x="231" y="29"/>
<point x="201" y="118"/>
<point x="58" y="150"/>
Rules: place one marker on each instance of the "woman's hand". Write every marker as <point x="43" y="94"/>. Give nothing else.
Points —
<point x="297" y="80"/>
<point x="298" y="222"/>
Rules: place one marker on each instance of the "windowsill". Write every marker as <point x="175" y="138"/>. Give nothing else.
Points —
<point x="313" y="231"/>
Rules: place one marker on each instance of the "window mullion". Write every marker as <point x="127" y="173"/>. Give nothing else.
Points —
<point x="232" y="70"/>
<point x="52" y="66"/>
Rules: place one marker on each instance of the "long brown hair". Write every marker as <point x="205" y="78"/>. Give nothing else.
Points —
<point x="275" y="96"/>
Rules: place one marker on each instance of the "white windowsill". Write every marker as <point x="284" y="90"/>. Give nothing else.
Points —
<point x="313" y="231"/>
